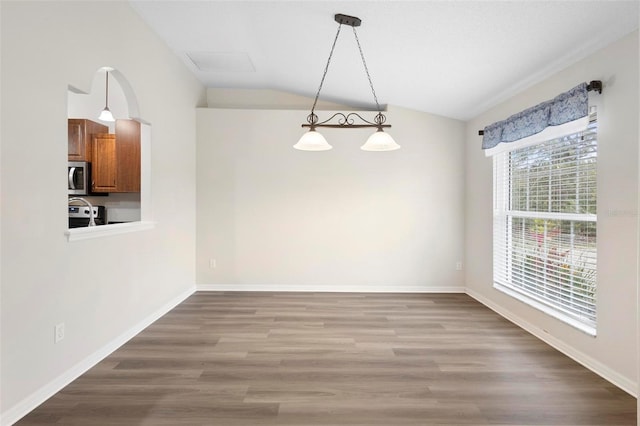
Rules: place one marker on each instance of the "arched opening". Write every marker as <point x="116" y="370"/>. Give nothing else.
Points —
<point x="108" y="160"/>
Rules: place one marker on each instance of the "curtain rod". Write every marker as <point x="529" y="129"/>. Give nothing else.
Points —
<point x="594" y="85"/>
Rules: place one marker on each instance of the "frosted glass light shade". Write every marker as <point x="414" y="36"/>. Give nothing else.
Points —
<point x="380" y="141"/>
<point x="312" y="141"/>
<point x="106" y="115"/>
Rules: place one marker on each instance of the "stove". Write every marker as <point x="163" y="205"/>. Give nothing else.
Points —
<point x="79" y="216"/>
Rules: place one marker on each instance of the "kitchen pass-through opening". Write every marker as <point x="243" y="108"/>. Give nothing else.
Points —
<point x="108" y="167"/>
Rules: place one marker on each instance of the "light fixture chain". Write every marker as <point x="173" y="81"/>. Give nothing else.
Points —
<point x="326" y="68"/>
<point x="366" y="69"/>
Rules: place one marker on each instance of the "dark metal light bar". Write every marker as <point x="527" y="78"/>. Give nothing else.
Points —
<point x="348" y="121"/>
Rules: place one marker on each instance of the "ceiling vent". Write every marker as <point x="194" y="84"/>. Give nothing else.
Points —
<point x="221" y="61"/>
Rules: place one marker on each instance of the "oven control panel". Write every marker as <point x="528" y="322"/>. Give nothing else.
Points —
<point x="83" y="211"/>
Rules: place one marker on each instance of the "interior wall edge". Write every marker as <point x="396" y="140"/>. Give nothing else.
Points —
<point x="24" y="407"/>
<point x="624" y="383"/>
<point x="228" y="98"/>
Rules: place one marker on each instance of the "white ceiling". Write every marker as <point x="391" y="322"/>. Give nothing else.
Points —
<point x="452" y="58"/>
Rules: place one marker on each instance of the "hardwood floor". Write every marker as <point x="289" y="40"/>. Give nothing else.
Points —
<point x="335" y="359"/>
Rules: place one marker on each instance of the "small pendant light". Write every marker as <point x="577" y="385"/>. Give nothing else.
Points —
<point x="380" y="141"/>
<point x="106" y="115"/>
<point x="312" y="141"/>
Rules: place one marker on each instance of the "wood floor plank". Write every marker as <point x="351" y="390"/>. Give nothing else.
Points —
<point x="232" y="358"/>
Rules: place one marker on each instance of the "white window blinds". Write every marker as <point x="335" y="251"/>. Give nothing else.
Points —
<point x="545" y="226"/>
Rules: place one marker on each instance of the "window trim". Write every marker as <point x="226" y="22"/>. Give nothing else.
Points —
<point x="502" y="217"/>
<point x="530" y="301"/>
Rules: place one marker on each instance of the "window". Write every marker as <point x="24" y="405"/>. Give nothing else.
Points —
<point x="544" y="243"/>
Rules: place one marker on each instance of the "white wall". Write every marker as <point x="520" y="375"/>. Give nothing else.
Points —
<point x="277" y="218"/>
<point x="100" y="288"/>
<point x="613" y="353"/>
<point x="638" y="257"/>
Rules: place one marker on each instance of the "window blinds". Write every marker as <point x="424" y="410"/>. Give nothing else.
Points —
<point x="545" y="224"/>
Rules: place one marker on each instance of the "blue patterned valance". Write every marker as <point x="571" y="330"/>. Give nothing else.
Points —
<point x="564" y="108"/>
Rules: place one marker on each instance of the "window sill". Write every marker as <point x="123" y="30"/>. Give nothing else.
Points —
<point x="87" y="233"/>
<point x="585" y="328"/>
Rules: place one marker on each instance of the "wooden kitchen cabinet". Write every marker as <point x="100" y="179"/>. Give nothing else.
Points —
<point x="104" y="171"/>
<point x="128" y="155"/>
<point x="81" y="132"/>
<point x="115" y="163"/>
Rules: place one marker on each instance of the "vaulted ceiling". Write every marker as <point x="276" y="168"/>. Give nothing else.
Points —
<point x="452" y="58"/>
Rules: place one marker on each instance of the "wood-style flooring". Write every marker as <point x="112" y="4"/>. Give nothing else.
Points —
<point x="335" y="359"/>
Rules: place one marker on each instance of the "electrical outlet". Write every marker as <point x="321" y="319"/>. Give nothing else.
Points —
<point x="212" y="263"/>
<point x="459" y="265"/>
<point x="58" y="332"/>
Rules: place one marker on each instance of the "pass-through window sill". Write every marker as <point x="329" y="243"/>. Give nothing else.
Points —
<point x="87" y="233"/>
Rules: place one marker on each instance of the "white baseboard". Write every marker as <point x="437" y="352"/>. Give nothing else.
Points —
<point x="29" y="403"/>
<point x="597" y="367"/>
<point x="330" y="288"/>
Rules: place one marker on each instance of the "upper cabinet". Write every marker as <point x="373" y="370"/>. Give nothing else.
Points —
<point x="81" y="132"/>
<point x="128" y="155"/>
<point x="115" y="161"/>
<point x="104" y="168"/>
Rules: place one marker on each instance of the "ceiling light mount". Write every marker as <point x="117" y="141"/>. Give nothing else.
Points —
<point x="314" y="141"/>
<point x="352" y="21"/>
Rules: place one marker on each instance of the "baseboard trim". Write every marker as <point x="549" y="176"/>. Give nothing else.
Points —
<point x="330" y="288"/>
<point x="580" y="357"/>
<point x="29" y="403"/>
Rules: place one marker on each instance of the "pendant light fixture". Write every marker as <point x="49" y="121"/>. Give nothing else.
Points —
<point x="106" y="115"/>
<point x="314" y="141"/>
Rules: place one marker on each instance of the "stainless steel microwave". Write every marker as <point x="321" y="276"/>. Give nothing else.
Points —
<point x="79" y="174"/>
